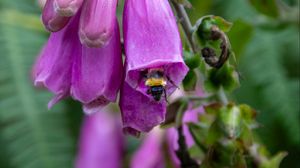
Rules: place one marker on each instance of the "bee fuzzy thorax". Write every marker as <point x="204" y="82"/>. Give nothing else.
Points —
<point x="156" y="82"/>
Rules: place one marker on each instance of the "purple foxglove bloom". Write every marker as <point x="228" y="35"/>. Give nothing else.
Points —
<point x="149" y="154"/>
<point x="67" y="7"/>
<point x="97" y="22"/>
<point x="97" y="74"/>
<point x="53" y="68"/>
<point x="139" y="112"/>
<point x="101" y="142"/>
<point x="152" y="40"/>
<point x="91" y="75"/>
<point x="51" y="19"/>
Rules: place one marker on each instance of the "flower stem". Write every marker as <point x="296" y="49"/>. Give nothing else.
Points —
<point x="188" y="30"/>
<point x="186" y="24"/>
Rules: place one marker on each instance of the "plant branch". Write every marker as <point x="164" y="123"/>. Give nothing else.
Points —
<point x="186" y="24"/>
<point x="188" y="30"/>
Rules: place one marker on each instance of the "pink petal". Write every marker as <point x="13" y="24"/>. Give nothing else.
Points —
<point x="97" y="74"/>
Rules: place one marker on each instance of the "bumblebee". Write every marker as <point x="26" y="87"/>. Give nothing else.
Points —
<point x="156" y="82"/>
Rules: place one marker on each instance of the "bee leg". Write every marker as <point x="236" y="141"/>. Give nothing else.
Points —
<point x="148" y="91"/>
<point x="172" y="82"/>
<point x="165" y="94"/>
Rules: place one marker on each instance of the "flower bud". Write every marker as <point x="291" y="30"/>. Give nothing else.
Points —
<point x="67" y="7"/>
<point x="52" y="20"/>
<point x="97" y="22"/>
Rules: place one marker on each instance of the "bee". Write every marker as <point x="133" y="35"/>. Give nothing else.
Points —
<point x="156" y="82"/>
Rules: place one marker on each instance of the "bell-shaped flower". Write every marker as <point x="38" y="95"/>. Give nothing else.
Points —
<point x="97" y="22"/>
<point x="101" y="142"/>
<point x="91" y="75"/>
<point x="53" y="68"/>
<point x="97" y="74"/>
<point x="153" y="49"/>
<point x="152" y="41"/>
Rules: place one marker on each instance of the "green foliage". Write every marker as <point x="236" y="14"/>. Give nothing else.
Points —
<point x="224" y="136"/>
<point x="30" y="135"/>
<point x="267" y="7"/>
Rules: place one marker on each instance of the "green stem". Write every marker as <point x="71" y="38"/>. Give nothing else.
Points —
<point x="186" y="24"/>
<point x="188" y="30"/>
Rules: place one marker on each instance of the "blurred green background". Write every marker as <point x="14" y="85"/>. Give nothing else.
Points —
<point x="265" y="39"/>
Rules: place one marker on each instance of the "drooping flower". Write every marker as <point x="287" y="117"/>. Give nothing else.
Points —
<point x="97" y="18"/>
<point x="154" y="63"/>
<point x="91" y="75"/>
<point x="101" y="142"/>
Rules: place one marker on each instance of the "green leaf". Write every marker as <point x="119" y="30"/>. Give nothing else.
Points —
<point x="275" y="161"/>
<point x="266" y="7"/>
<point x="33" y="136"/>
<point x="190" y="81"/>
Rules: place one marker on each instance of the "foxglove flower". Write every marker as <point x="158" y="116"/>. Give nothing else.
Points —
<point x="151" y="41"/>
<point x="90" y="75"/>
<point x="97" y="18"/>
<point x="101" y="142"/>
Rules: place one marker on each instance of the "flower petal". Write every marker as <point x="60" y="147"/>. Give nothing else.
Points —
<point x="97" y="22"/>
<point x="52" y="20"/>
<point x="67" y="7"/>
<point x="101" y="142"/>
<point x="152" y="40"/>
<point x="150" y="154"/>
<point x="97" y="74"/>
<point x="139" y="112"/>
<point x="54" y="65"/>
